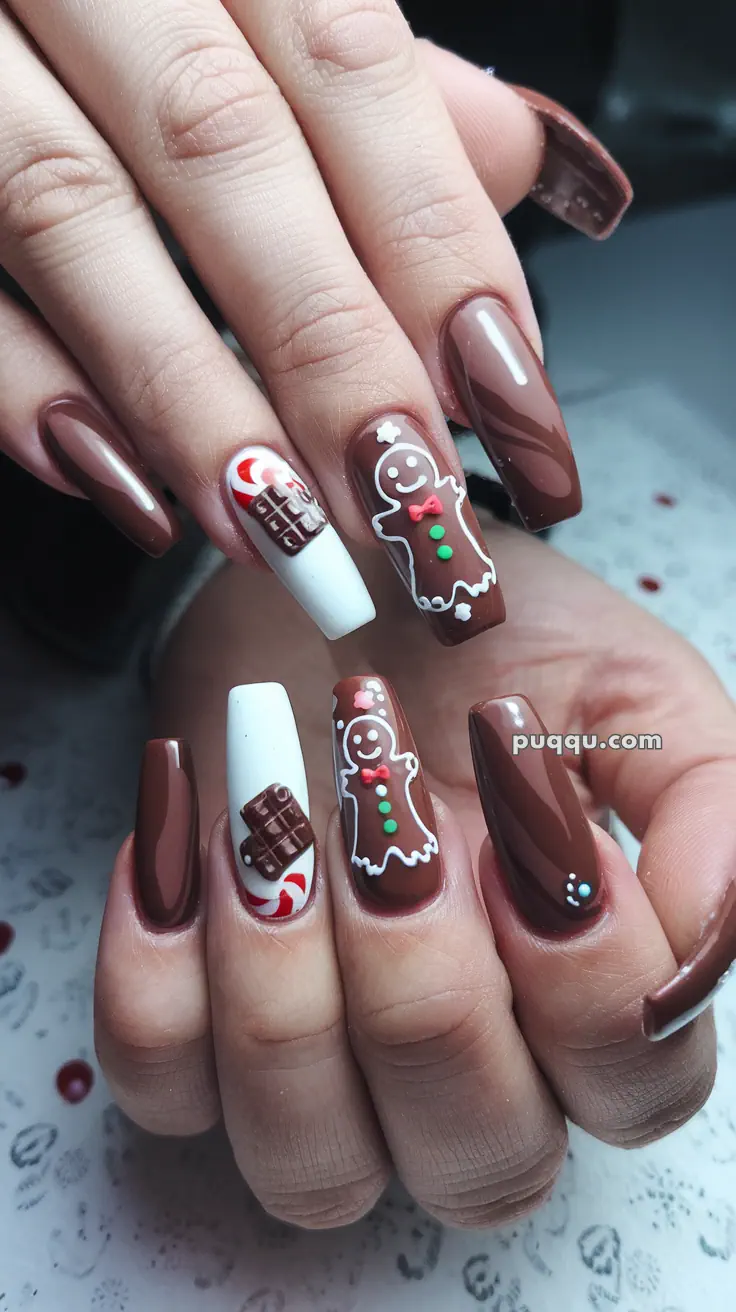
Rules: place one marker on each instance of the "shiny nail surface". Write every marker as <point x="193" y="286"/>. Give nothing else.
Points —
<point x="699" y="978"/>
<point x="386" y="811"/>
<point x="542" y="838"/>
<point x="91" y="455"/>
<point x="290" y="529"/>
<point x="508" y="398"/>
<point x="423" y="517"/>
<point x="579" y="181"/>
<point x="166" y="844"/>
<point x="268" y="801"/>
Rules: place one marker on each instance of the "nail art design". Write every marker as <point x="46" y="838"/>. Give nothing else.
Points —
<point x="386" y="812"/>
<point x="539" y="830"/>
<point x="420" y="511"/>
<point x="268" y="800"/>
<point x="579" y="182"/>
<point x="166" y="841"/>
<point x="508" y="398"/>
<point x="699" y="978"/>
<point x="291" y="531"/>
<point x="88" y="451"/>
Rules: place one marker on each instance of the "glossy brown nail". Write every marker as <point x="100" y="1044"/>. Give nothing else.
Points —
<point x="386" y="812"/>
<point x="699" y="978"/>
<point x="503" y="388"/>
<point x="422" y="515"/>
<point x="91" y="455"/>
<point x="166" y="845"/>
<point x="542" y="838"/>
<point x="579" y="181"/>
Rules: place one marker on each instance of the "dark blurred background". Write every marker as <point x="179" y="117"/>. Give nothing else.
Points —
<point x="657" y="81"/>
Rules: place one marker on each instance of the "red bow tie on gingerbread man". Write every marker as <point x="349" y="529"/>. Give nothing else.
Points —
<point x="432" y="506"/>
<point x="369" y="777"/>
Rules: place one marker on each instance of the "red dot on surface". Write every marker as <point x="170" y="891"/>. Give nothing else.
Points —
<point x="74" y="1080"/>
<point x="7" y="934"/>
<point x="648" y="583"/>
<point x="664" y="499"/>
<point x="13" y="773"/>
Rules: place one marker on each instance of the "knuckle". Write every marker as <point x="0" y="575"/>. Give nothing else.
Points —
<point x="427" y="1035"/>
<point x="367" y="39"/>
<point x="50" y="189"/>
<point x="214" y="100"/>
<point x="424" y="222"/>
<point x="328" y="1207"/>
<point x="325" y="336"/>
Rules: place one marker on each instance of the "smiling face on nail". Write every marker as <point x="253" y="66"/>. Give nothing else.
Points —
<point x="404" y="473"/>
<point x="368" y="742"/>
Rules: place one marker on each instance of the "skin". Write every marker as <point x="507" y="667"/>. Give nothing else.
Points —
<point x="448" y="1043"/>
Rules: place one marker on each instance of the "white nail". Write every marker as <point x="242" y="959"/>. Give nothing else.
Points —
<point x="263" y="749"/>
<point x="291" y="531"/>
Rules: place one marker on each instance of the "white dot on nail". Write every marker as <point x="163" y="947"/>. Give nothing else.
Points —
<point x="381" y="790"/>
<point x="358" y="738"/>
<point x="393" y="472"/>
<point x="341" y="724"/>
<point x="411" y="462"/>
<point x="373" y="734"/>
<point x="381" y="712"/>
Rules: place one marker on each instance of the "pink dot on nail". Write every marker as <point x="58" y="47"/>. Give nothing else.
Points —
<point x="648" y="583"/>
<point x="363" y="701"/>
<point x="664" y="499"/>
<point x="13" y="773"/>
<point x="74" y="1080"/>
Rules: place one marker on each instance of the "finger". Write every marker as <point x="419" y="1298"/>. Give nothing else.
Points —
<point x="152" y="1019"/>
<point x="65" y="204"/>
<point x="580" y="940"/>
<point x="678" y="800"/>
<point x="428" y="235"/>
<point x="548" y="154"/>
<point x="295" y="1106"/>
<point x="472" y="1130"/>
<point x="40" y="387"/>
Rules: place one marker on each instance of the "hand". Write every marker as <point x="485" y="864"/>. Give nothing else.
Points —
<point x="304" y="158"/>
<point x="449" y="1037"/>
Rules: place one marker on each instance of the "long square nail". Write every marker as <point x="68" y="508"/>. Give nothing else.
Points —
<point x="386" y="811"/>
<point x="268" y="801"/>
<point x="422" y="515"/>
<point x="502" y="385"/>
<point x="166" y="843"/>
<point x="289" y="528"/>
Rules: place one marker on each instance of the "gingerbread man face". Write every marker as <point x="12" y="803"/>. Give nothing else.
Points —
<point x="368" y="742"/>
<point x="406" y="474"/>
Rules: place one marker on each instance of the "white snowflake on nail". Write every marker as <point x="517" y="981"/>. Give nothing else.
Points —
<point x="463" y="611"/>
<point x="388" y="432"/>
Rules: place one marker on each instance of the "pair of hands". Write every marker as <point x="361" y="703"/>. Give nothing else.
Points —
<point x="449" y="1039"/>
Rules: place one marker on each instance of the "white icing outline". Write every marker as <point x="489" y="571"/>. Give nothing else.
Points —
<point x="411" y="765"/>
<point x="424" y="603"/>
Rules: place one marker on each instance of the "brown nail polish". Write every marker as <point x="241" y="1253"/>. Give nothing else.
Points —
<point x="166" y="846"/>
<point x="386" y="812"/>
<point x="87" y="450"/>
<point x="699" y="978"/>
<point x="579" y="181"/>
<point x="508" y="398"/>
<point x="423" y="517"/>
<point x="538" y="827"/>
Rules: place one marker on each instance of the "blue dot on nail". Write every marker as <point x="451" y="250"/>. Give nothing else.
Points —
<point x="584" y="890"/>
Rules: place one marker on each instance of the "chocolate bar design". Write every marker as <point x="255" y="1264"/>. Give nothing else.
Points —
<point x="280" y="831"/>
<point x="290" y="515"/>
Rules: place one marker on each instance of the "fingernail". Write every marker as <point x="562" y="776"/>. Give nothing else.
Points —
<point x="424" y="519"/>
<point x="386" y="812"/>
<point x="699" y="978"/>
<point x="579" y="181"/>
<point x="293" y="534"/>
<point x="91" y="455"/>
<point x="542" y="838"/>
<point x="508" y="398"/>
<point x="166" y="844"/>
<point x="268" y="800"/>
